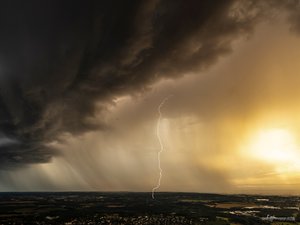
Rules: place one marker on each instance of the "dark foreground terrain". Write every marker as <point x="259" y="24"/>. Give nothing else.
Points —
<point x="138" y="208"/>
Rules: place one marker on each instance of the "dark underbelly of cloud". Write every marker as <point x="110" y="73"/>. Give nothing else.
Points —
<point x="59" y="58"/>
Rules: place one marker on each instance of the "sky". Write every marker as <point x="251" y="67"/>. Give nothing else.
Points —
<point x="81" y="83"/>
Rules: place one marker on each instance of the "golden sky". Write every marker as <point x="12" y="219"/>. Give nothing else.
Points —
<point x="234" y="128"/>
<point x="232" y="124"/>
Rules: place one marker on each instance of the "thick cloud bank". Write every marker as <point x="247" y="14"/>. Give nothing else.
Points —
<point x="59" y="58"/>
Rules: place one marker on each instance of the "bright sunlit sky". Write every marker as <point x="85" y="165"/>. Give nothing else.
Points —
<point x="232" y="124"/>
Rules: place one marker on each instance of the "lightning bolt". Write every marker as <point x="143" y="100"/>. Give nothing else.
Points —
<point x="160" y="144"/>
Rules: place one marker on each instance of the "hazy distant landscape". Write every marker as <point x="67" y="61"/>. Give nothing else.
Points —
<point x="139" y="208"/>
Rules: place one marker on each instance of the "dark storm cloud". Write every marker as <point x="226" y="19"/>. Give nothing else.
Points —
<point x="58" y="58"/>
